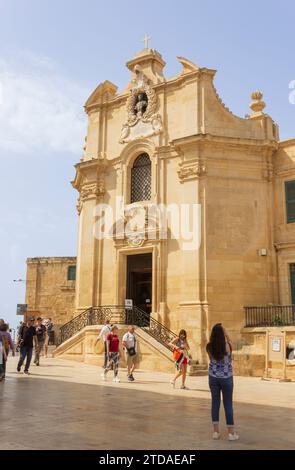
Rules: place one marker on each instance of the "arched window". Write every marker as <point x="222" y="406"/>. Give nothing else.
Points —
<point x="141" y="179"/>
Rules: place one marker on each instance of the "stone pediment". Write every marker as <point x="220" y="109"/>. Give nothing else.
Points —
<point x="103" y="92"/>
<point x="182" y="106"/>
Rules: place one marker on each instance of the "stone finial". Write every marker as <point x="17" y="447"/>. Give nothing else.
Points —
<point x="257" y="105"/>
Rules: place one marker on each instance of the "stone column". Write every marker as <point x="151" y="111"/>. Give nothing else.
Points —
<point x="192" y="310"/>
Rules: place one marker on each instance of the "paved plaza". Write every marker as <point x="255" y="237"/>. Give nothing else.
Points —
<point x="65" y="405"/>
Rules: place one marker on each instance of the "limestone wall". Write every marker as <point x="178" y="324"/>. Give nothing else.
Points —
<point x="48" y="291"/>
<point x="284" y="170"/>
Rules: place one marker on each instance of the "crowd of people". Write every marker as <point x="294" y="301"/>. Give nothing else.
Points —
<point x="219" y="349"/>
<point x="33" y="332"/>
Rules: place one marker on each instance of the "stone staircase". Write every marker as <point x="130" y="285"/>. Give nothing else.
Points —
<point x="78" y="337"/>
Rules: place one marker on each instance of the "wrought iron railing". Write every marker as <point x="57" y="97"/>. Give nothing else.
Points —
<point x="149" y="324"/>
<point x="270" y="315"/>
<point x="117" y="315"/>
<point x="92" y="316"/>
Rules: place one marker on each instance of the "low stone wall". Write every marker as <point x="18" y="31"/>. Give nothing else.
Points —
<point x="249" y="355"/>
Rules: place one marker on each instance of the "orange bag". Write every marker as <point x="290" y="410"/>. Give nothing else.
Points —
<point x="177" y="355"/>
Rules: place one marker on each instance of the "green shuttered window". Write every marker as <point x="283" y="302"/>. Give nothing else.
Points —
<point x="290" y="201"/>
<point x="71" y="273"/>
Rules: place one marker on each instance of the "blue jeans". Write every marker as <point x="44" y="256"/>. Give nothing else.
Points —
<point x="26" y="352"/>
<point x="224" y="386"/>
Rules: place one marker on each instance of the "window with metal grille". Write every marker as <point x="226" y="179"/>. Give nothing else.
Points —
<point x="141" y="179"/>
<point x="290" y="200"/>
<point x="71" y="273"/>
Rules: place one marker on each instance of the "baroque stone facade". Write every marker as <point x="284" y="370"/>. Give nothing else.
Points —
<point x="234" y="168"/>
<point x="200" y="153"/>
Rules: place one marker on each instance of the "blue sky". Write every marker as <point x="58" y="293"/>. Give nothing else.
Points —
<point x="54" y="53"/>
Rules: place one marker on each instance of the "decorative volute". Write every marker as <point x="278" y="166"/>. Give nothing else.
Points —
<point x="188" y="65"/>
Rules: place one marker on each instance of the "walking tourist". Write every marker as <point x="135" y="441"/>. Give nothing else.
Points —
<point x="41" y="335"/>
<point x="129" y="343"/>
<point x="49" y="329"/>
<point x="25" y="340"/>
<point x="2" y="359"/>
<point x="219" y="350"/>
<point x="7" y="343"/>
<point x="113" y="353"/>
<point x="181" y="358"/>
<point x="106" y="329"/>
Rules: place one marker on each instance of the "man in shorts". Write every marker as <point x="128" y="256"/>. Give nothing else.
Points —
<point x="129" y="343"/>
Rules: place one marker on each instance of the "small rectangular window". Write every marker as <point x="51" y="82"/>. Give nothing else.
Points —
<point x="71" y="273"/>
<point x="290" y="201"/>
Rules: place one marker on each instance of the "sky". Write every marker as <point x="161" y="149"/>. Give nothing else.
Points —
<point x="53" y="54"/>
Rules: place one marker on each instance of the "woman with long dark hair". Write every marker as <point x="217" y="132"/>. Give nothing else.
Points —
<point x="181" y="357"/>
<point x="219" y="350"/>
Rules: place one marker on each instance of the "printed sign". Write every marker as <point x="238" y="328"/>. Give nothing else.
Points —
<point x="129" y="304"/>
<point x="21" y="309"/>
<point x="276" y="344"/>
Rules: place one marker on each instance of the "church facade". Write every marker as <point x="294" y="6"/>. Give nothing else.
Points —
<point x="172" y="143"/>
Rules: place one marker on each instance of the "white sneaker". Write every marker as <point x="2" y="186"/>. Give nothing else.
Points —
<point x="103" y="377"/>
<point x="216" y="435"/>
<point x="233" y="437"/>
<point x="172" y="382"/>
<point x="116" y="379"/>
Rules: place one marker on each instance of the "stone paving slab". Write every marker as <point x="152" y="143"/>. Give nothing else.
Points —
<point x="65" y="405"/>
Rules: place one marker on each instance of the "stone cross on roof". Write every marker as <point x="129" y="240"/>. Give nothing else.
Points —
<point x="146" y="40"/>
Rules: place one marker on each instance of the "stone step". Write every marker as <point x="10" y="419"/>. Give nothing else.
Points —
<point x="196" y="369"/>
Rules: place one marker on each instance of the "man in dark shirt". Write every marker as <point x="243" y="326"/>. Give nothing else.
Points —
<point x="26" y="337"/>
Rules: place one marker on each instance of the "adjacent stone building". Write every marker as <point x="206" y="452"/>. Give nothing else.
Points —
<point x="50" y="288"/>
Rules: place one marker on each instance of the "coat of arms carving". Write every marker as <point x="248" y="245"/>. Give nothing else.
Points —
<point x="143" y="120"/>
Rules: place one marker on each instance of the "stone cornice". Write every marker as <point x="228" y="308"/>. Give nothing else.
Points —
<point x="284" y="245"/>
<point x="290" y="171"/>
<point x="224" y="141"/>
<point x="82" y="168"/>
<point x="52" y="260"/>
<point x="176" y="81"/>
<point x="286" y="143"/>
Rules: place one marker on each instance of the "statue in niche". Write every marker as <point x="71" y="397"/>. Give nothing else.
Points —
<point x="143" y="120"/>
<point x="141" y="104"/>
